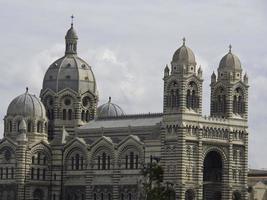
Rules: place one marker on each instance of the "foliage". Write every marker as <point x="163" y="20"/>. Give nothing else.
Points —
<point x="154" y="189"/>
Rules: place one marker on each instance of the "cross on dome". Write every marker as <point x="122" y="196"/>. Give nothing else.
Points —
<point x="72" y="18"/>
<point x="230" y="48"/>
<point x="183" y="41"/>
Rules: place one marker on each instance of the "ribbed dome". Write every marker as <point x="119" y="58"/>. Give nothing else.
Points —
<point x="71" y="33"/>
<point x="71" y="72"/>
<point x="184" y="55"/>
<point x="27" y="105"/>
<point x="230" y="62"/>
<point x="109" y="110"/>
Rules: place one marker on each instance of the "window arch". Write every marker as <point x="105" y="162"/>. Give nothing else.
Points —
<point x="40" y="166"/>
<point x="29" y="127"/>
<point x="70" y="114"/>
<point x="172" y="96"/>
<point x="39" y="127"/>
<point x="102" y="158"/>
<point x="83" y="115"/>
<point x="64" y="114"/>
<point x="130" y="158"/>
<point x="10" y="126"/>
<point x="75" y="160"/>
<point x="238" y="101"/>
<point x="192" y="98"/>
<point x="220" y="101"/>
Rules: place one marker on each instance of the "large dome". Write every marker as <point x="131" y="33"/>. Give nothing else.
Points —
<point x="71" y="72"/>
<point x="109" y="110"/>
<point x="27" y="105"/>
<point x="230" y="62"/>
<point x="184" y="55"/>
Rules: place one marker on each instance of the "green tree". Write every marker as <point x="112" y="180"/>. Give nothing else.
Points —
<point x="154" y="188"/>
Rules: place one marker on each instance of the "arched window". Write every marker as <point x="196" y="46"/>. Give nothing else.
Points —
<point x="38" y="174"/>
<point x="29" y="127"/>
<point x="77" y="161"/>
<point x="10" y="126"/>
<point x="39" y="127"/>
<point x="238" y="102"/>
<point x="83" y="115"/>
<point x="12" y="172"/>
<point x="219" y="106"/>
<point x="32" y="173"/>
<point x="95" y="196"/>
<point x="192" y="99"/>
<point x="130" y="196"/>
<point x="122" y="196"/>
<point x="131" y="160"/>
<point x="64" y="114"/>
<point x="104" y="161"/>
<point x="18" y="122"/>
<point x="108" y="167"/>
<point x="136" y="161"/>
<point x="69" y="114"/>
<point x="33" y="159"/>
<point x="44" y="174"/>
<point x="172" y="97"/>
<point x="98" y="163"/>
<point x="109" y="196"/>
<point x="87" y="116"/>
<point x="72" y="162"/>
<point x="38" y="158"/>
<point x="102" y="196"/>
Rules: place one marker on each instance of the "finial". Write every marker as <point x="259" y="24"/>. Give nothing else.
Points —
<point x="72" y="17"/>
<point x="27" y="89"/>
<point x="109" y="99"/>
<point x="230" y="48"/>
<point x="183" y="41"/>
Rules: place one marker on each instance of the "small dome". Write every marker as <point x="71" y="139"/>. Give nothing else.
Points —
<point x="109" y="110"/>
<point x="71" y="33"/>
<point x="230" y="62"/>
<point x="27" y="105"/>
<point x="184" y="55"/>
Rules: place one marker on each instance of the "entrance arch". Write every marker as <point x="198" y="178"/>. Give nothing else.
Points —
<point x="189" y="194"/>
<point x="212" y="176"/>
<point x="38" y="194"/>
<point x="236" y="195"/>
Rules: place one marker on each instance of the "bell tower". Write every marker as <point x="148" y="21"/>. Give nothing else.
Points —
<point x="229" y="89"/>
<point x="183" y="83"/>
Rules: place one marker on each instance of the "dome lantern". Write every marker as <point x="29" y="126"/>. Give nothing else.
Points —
<point x="71" y="39"/>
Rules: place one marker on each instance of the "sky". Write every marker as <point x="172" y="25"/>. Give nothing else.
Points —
<point x="128" y="44"/>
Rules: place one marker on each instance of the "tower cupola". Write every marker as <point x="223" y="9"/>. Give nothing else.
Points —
<point x="71" y="39"/>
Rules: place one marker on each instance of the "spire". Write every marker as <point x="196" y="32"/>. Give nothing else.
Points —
<point x="109" y="99"/>
<point x="71" y="40"/>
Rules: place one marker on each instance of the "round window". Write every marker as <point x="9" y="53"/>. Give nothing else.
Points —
<point x="67" y="101"/>
<point x="86" y="101"/>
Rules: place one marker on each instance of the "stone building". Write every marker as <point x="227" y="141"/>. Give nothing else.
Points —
<point x="63" y="146"/>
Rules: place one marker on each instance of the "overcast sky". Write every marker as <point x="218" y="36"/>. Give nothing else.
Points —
<point x="128" y="43"/>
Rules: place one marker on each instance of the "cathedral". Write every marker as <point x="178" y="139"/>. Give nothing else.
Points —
<point x="62" y="145"/>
